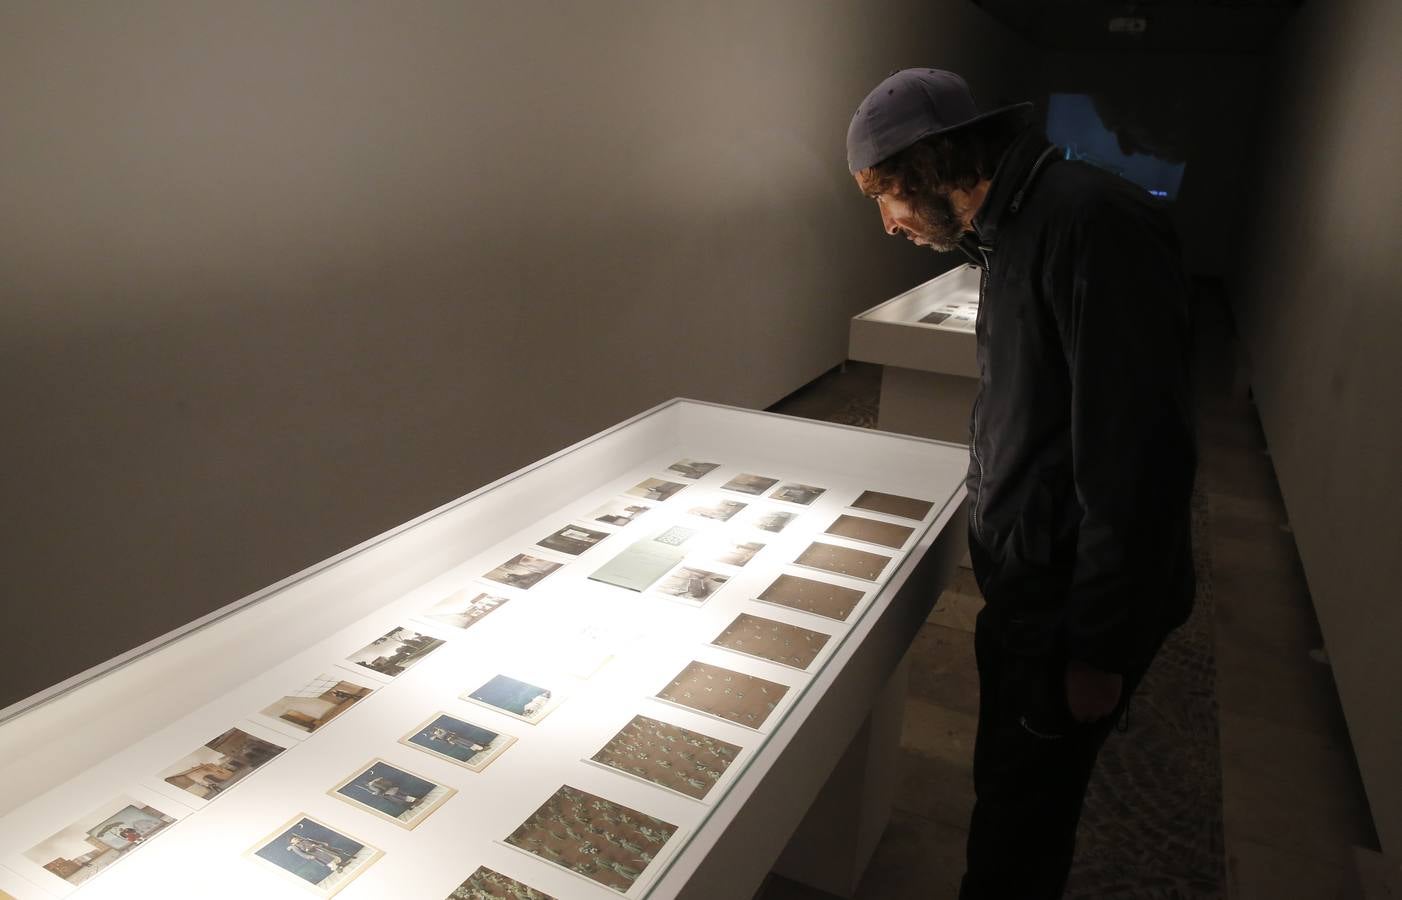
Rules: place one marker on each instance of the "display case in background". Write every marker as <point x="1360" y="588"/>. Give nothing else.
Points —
<point x="924" y="339"/>
<point x="459" y="705"/>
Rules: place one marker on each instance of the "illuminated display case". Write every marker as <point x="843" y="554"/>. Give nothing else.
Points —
<point x="924" y="339"/>
<point x="458" y="704"/>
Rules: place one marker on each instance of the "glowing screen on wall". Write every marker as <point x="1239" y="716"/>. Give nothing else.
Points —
<point x="1075" y="123"/>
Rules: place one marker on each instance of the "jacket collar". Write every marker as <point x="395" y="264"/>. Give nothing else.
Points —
<point x="1017" y="170"/>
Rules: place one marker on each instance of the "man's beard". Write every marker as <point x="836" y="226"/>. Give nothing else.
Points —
<point x="939" y="223"/>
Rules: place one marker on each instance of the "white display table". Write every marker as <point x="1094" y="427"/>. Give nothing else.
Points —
<point x="931" y="373"/>
<point x="343" y="664"/>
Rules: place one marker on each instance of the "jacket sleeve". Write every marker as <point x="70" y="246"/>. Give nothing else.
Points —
<point x="1121" y="306"/>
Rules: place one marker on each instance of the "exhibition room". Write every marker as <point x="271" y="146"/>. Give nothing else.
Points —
<point x="784" y="450"/>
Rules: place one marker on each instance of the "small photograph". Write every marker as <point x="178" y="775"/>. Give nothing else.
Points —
<point x="316" y="855"/>
<point x="590" y="836"/>
<point x="464" y="608"/>
<point x="831" y="601"/>
<point x="522" y="571"/>
<point x="459" y="742"/>
<point x="734" y="554"/>
<point x="720" y="511"/>
<point x="220" y="763"/>
<point x="793" y="492"/>
<point x="690" y="468"/>
<point x="870" y="531"/>
<point x="843" y="561"/>
<point x="774" y="522"/>
<point x="97" y="841"/>
<point x="734" y="696"/>
<point x="788" y="645"/>
<point x="487" y="884"/>
<point x="676" y="758"/>
<point x="518" y="699"/>
<point x="392" y="793"/>
<point x="936" y="317"/>
<point x="572" y="539"/>
<point x="654" y="489"/>
<point x="893" y="505"/>
<point x="750" y="484"/>
<point x="395" y="652"/>
<point x="696" y="585"/>
<point x="618" y="512"/>
<point x="318" y="702"/>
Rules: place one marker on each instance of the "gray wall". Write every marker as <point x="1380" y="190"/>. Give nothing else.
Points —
<point x="275" y="278"/>
<point x="1320" y="315"/>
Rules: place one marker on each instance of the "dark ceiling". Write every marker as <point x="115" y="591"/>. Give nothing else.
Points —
<point x="1225" y="26"/>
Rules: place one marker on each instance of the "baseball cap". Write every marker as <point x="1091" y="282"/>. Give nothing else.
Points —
<point x="910" y="105"/>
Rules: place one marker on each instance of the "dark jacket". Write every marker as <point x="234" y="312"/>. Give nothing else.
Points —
<point x="1082" y="451"/>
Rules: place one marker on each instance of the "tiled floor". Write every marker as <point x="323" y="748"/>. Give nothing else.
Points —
<point x="1291" y="800"/>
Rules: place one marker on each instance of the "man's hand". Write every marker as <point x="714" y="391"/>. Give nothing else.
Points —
<point x="1090" y="693"/>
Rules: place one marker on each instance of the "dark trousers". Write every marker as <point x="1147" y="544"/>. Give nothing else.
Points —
<point x="1032" y="762"/>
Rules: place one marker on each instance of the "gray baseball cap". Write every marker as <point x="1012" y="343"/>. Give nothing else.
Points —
<point x="910" y="105"/>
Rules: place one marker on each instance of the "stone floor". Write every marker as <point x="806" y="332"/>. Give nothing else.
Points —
<point x="1237" y="778"/>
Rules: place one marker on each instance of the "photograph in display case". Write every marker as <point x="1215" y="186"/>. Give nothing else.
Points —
<point x="489" y="884"/>
<point x="670" y="756"/>
<point x="793" y="492"/>
<point x="893" y="505"/>
<point x="464" y="608"/>
<point x="734" y="696"/>
<point x="457" y="741"/>
<point x="737" y="554"/>
<point x="774" y="522"/>
<point x="750" y="484"/>
<point x="843" y="561"/>
<point x="395" y="652"/>
<point x="518" y="699"/>
<point x="690" y="468"/>
<point x="720" y="511"/>
<point x="220" y="763"/>
<point x="830" y="601"/>
<point x="522" y="571"/>
<point x="604" y="841"/>
<point x="392" y="793"/>
<point x="315" y="855"/>
<point x="692" y="585"/>
<point x="870" y="531"/>
<point x="99" y="840"/>
<point x="317" y="702"/>
<point x="654" y="489"/>
<point x="778" y="642"/>
<point x="572" y="539"/>
<point x="618" y="512"/>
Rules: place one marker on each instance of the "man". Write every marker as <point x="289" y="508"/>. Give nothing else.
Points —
<point x="1081" y="446"/>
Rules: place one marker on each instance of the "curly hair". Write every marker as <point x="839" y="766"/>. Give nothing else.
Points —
<point x="957" y="159"/>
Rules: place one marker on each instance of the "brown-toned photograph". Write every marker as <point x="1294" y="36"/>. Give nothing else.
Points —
<point x="572" y="539"/>
<point x="395" y="652"/>
<point x="870" y="531"/>
<point x="97" y="841"/>
<point x="737" y="554"/>
<point x="690" y="468"/>
<point x="220" y="763"/>
<point x="489" y="884"/>
<point x="604" y="841"/>
<point x="464" y="608"/>
<point x="654" y="489"/>
<point x="750" y="484"/>
<point x="774" y="522"/>
<point x="778" y="642"/>
<point x="317" y="702"/>
<point x="522" y="571"/>
<point x="720" y="511"/>
<point x="832" y="601"/>
<point x="694" y="585"/>
<point x="676" y="758"/>
<point x="893" y="505"/>
<point x="618" y="512"/>
<point x="843" y="561"/>
<point x="793" y="492"/>
<point x="734" y="696"/>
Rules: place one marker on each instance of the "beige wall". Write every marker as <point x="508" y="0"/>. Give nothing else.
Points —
<point x="1322" y="320"/>
<point x="275" y="278"/>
